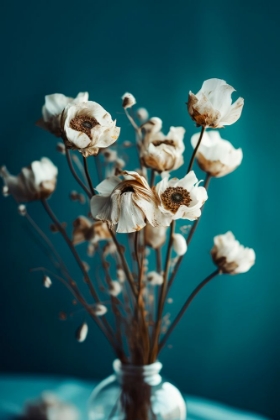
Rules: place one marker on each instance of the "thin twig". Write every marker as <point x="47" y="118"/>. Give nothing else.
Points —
<point x="195" y="150"/>
<point x="186" y="305"/>
<point x="75" y="175"/>
<point x="88" y="176"/>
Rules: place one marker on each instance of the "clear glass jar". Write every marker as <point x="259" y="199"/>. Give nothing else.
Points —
<point x="136" y="393"/>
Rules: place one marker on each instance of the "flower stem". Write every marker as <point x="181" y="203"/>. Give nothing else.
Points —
<point x="80" y="182"/>
<point x="88" y="176"/>
<point x="195" y="150"/>
<point x="186" y="305"/>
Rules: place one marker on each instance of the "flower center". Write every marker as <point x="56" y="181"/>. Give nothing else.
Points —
<point x="84" y="124"/>
<point x="128" y="189"/>
<point x="167" y="142"/>
<point x="173" y="198"/>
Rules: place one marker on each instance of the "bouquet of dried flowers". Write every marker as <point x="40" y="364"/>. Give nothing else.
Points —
<point x="144" y="204"/>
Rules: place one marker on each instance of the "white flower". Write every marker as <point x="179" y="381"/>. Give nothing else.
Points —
<point x="212" y="105"/>
<point x="215" y="155"/>
<point x="142" y="114"/>
<point x="84" y="230"/>
<point x="128" y="100"/>
<point x="181" y="198"/>
<point x="153" y="125"/>
<point x="99" y="309"/>
<point x="230" y="256"/>
<point x="34" y="182"/>
<point x="179" y="244"/>
<point x="87" y="127"/>
<point x="82" y="332"/>
<point x="47" y="282"/>
<point x="155" y="236"/>
<point x="164" y="153"/>
<point x="53" y="108"/>
<point x="115" y="288"/>
<point x="154" y="278"/>
<point x="126" y="202"/>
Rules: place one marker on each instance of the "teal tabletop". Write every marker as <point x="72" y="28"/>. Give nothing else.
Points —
<point x="15" y="391"/>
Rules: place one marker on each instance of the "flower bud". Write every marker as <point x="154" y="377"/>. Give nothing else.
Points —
<point x="22" y="210"/>
<point x="99" y="309"/>
<point x="115" y="288"/>
<point x="5" y="191"/>
<point x="121" y="275"/>
<point x="128" y="100"/>
<point x="179" y="244"/>
<point x="155" y="236"/>
<point x="142" y="114"/>
<point x="82" y="332"/>
<point x="154" y="278"/>
<point x="47" y="282"/>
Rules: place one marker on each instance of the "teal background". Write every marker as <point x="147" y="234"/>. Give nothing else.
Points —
<point x="227" y="347"/>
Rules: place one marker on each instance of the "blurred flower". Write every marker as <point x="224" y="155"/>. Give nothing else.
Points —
<point x="49" y="407"/>
<point x="181" y="198"/>
<point x="212" y="105"/>
<point x="47" y="282"/>
<point x="88" y="127"/>
<point x="155" y="236"/>
<point x="154" y="278"/>
<point x="121" y="275"/>
<point x="109" y="249"/>
<point x="142" y="114"/>
<point x="110" y="155"/>
<point x="22" y="210"/>
<point x="179" y="244"/>
<point x="126" y="202"/>
<point x="5" y="191"/>
<point x="60" y="147"/>
<point x="230" y="256"/>
<point x="99" y="309"/>
<point x="153" y="125"/>
<point x="215" y="155"/>
<point x="128" y="100"/>
<point x="84" y="230"/>
<point x="82" y="332"/>
<point x="115" y="288"/>
<point x="53" y="108"/>
<point x="34" y="182"/>
<point x="164" y="153"/>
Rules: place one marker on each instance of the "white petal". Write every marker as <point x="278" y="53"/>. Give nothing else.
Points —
<point x="188" y="181"/>
<point x="108" y="185"/>
<point x="233" y="113"/>
<point x="131" y="218"/>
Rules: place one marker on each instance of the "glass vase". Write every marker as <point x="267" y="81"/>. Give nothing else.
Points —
<point x="136" y="393"/>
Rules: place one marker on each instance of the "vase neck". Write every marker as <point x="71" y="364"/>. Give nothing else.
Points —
<point x="148" y="374"/>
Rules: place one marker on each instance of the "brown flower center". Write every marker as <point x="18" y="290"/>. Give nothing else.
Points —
<point x="167" y="142"/>
<point x="173" y="198"/>
<point x="84" y="124"/>
<point x="128" y="189"/>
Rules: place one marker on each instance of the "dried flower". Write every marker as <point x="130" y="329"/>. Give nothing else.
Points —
<point x="34" y="182"/>
<point x="155" y="236"/>
<point x="82" y="332"/>
<point x="154" y="278"/>
<point x="99" y="309"/>
<point x="212" y="105"/>
<point x="142" y="114"/>
<point x="22" y="210"/>
<point x="215" y="155"/>
<point x="179" y="244"/>
<point x="5" y="191"/>
<point x="48" y="407"/>
<point x="115" y="288"/>
<point x="181" y="198"/>
<point x="128" y="100"/>
<point x="126" y="202"/>
<point x="110" y="155"/>
<point x="84" y="230"/>
<point x="230" y="256"/>
<point x="153" y="125"/>
<point x="164" y="153"/>
<point x="47" y="282"/>
<point x="53" y="108"/>
<point x="109" y="249"/>
<point x="88" y="127"/>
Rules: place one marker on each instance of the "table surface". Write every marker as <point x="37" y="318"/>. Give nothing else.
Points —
<point x="16" y="390"/>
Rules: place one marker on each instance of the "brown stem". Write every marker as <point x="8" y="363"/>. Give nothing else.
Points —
<point x="158" y="259"/>
<point x="186" y="305"/>
<point x="80" y="182"/>
<point x="195" y="150"/>
<point x="88" y="176"/>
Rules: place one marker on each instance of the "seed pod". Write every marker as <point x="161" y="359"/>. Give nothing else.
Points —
<point x="128" y="100"/>
<point x="47" y="282"/>
<point x="82" y="332"/>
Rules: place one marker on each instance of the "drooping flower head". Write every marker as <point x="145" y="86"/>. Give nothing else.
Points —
<point x="164" y="152"/>
<point x="53" y="108"/>
<point x="212" y="105"/>
<point x="128" y="202"/>
<point x="215" y="155"/>
<point x="86" y="231"/>
<point x="35" y="182"/>
<point x="87" y="127"/>
<point x="181" y="198"/>
<point x="230" y="256"/>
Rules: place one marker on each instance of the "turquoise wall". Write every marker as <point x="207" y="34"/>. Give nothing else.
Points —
<point x="227" y="347"/>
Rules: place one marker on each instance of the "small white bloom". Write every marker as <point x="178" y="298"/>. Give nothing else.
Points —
<point x="154" y="125"/>
<point x="127" y="202"/>
<point x="154" y="278"/>
<point x="212" y="105"/>
<point x="155" y="236"/>
<point x="5" y="191"/>
<point x="164" y="152"/>
<point x="99" y="309"/>
<point x="86" y="231"/>
<point x="82" y="332"/>
<point x="230" y="256"/>
<point x="49" y="407"/>
<point x="142" y="114"/>
<point x="215" y="155"/>
<point x="53" y="108"/>
<point x="115" y="288"/>
<point x="88" y="127"/>
<point x="34" y="182"/>
<point x="181" y="198"/>
<point x="47" y="282"/>
<point x="22" y="210"/>
<point x="121" y="275"/>
<point x="128" y="100"/>
<point x="179" y="244"/>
